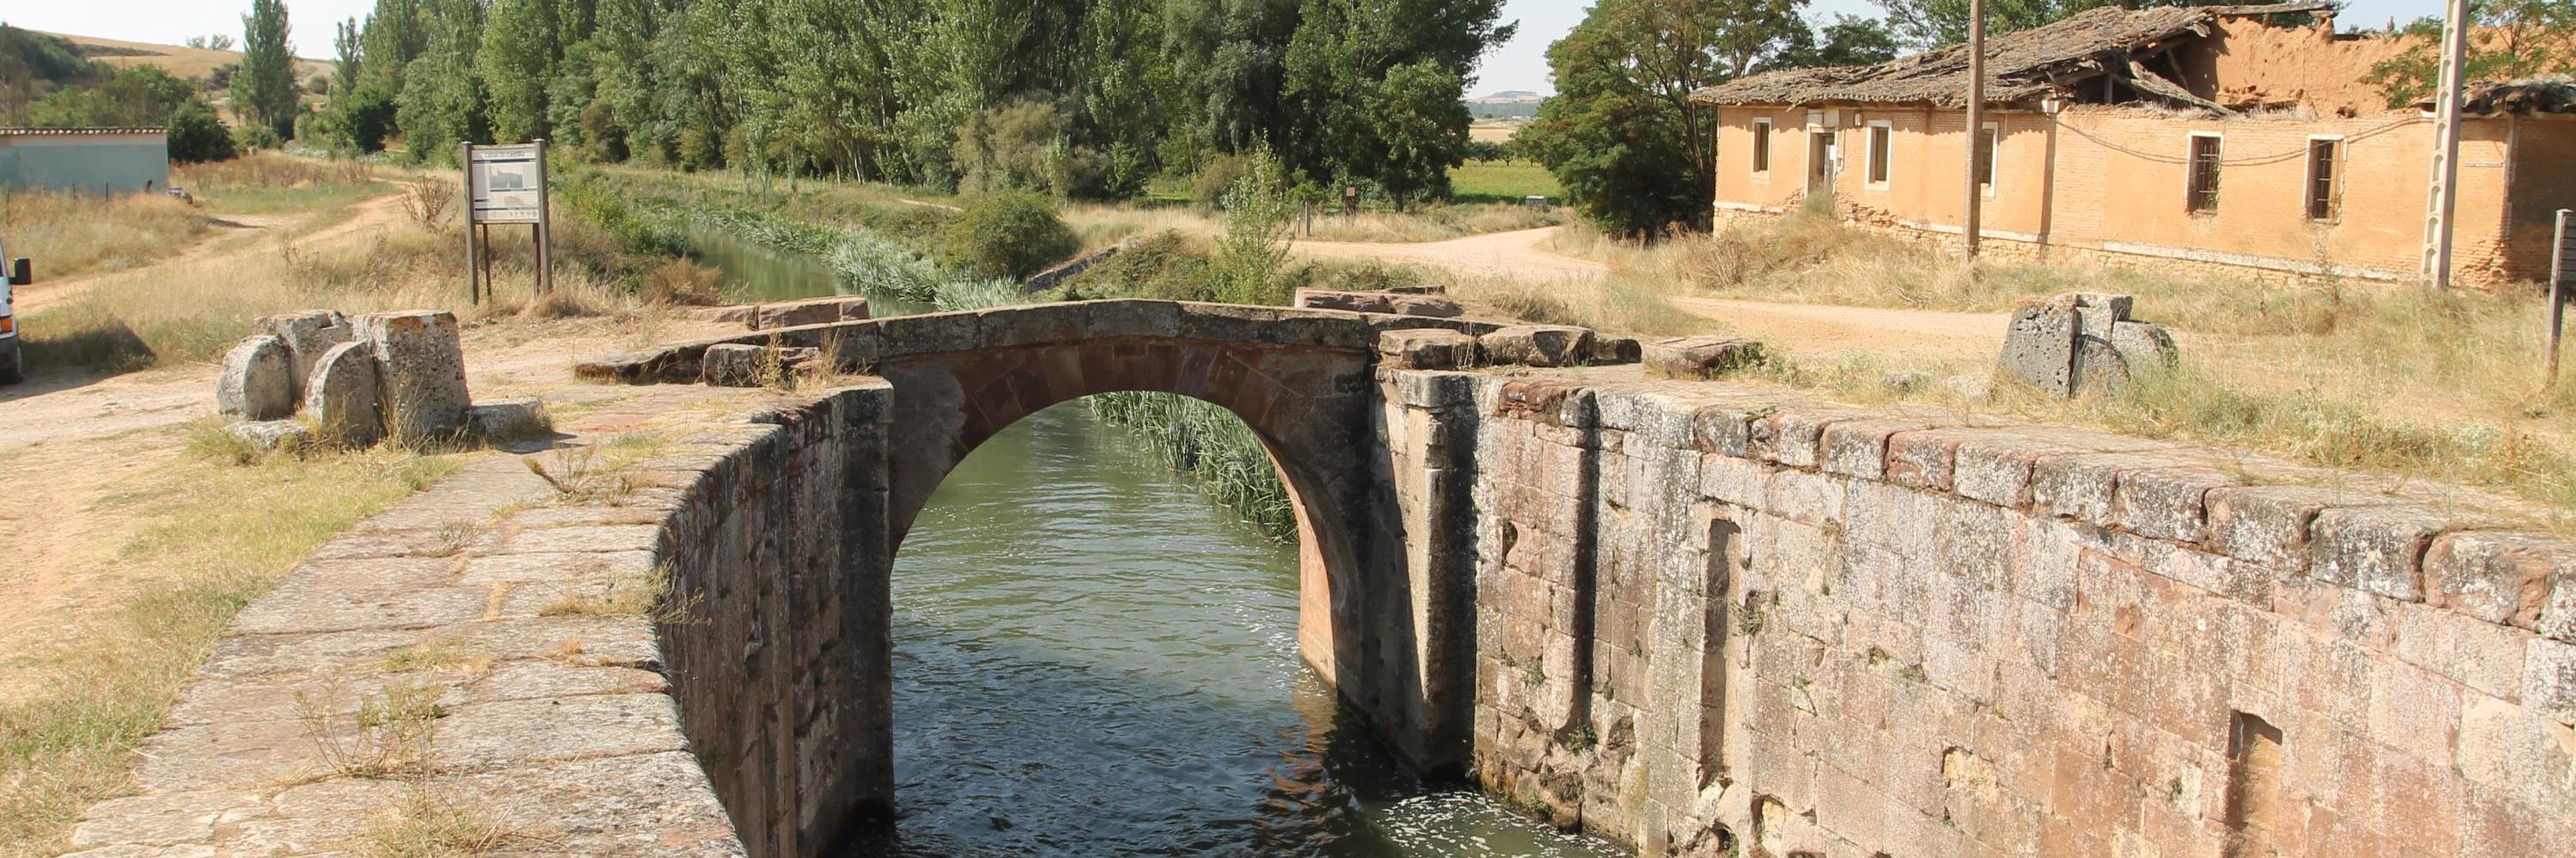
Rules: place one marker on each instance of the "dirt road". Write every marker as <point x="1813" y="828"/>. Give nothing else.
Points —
<point x="1520" y="253"/>
<point x="234" y="237"/>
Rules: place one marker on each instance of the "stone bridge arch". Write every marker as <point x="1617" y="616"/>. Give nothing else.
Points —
<point x="1394" y="641"/>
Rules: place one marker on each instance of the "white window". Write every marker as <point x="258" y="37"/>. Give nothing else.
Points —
<point x="2200" y="196"/>
<point x="1762" y="148"/>
<point x="1989" y="143"/>
<point x="2325" y="169"/>
<point x="1879" y="136"/>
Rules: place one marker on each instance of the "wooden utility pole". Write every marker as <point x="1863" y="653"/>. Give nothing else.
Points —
<point x="1970" y="226"/>
<point x="2443" y="195"/>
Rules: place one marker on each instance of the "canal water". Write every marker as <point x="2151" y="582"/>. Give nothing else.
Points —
<point x="1092" y="658"/>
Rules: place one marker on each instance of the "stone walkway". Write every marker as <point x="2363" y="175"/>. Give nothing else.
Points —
<point x="475" y="671"/>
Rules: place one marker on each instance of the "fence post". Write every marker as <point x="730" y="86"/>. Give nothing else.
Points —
<point x="2557" y="289"/>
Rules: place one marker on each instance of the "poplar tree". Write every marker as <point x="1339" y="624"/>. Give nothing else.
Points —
<point x="263" y="90"/>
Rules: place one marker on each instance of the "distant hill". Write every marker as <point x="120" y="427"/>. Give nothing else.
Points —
<point x="192" y="63"/>
<point x="1507" y="104"/>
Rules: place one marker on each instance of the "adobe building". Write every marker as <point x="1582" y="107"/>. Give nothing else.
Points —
<point x="2236" y="137"/>
<point x="103" y="161"/>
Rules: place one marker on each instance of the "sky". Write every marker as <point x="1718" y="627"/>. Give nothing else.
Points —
<point x="1520" y="64"/>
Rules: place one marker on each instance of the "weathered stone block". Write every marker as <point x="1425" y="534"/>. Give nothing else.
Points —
<point x="344" y="396"/>
<point x="812" y="311"/>
<point x="258" y="381"/>
<point x="737" y="365"/>
<point x="420" y="365"/>
<point x="2039" y="347"/>
<point x="1859" y="447"/>
<point x="308" y="335"/>
<point x="511" y="420"/>
<point x="1921" y="459"/>
<point x="1537" y="345"/>
<point x="2549" y="679"/>
<point x="286" y="435"/>
<point x="2166" y="503"/>
<point x="2376" y="549"/>
<point x="1614" y="351"/>
<point x="1700" y="356"/>
<point x="2498" y="576"/>
<point x="2143" y="345"/>
<point x="1426" y="349"/>
<point x="2118" y="305"/>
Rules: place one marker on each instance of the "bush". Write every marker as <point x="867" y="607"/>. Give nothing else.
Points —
<point x="254" y="137"/>
<point x="359" y="120"/>
<point x="197" y="136"/>
<point x="1010" y="234"/>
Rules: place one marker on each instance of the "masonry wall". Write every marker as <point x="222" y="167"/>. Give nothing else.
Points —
<point x="1714" y="618"/>
<point x="775" y="629"/>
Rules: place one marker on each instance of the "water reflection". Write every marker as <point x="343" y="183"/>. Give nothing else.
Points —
<point x="1093" y="659"/>
<point x="755" y="273"/>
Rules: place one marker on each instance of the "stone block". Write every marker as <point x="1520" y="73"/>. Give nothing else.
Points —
<point x="812" y="311"/>
<point x="511" y="420"/>
<point x="2166" y="503"/>
<point x="2375" y="549"/>
<point x="1921" y="460"/>
<point x="420" y="366"/>
<point x="737" y="365"/>
<point x="1427" y="348"/>
<point x="2549" y="679"/>
<point x="2143" y="344"/>
<point x="1859" y="447"/>
<point x="284" y="435"/>
<point x="344" y="397"/>
<point x="1426" y="306"/>
<point x="258" y="380"/>
<point x="1700" y="356"/>
<point x="2497" y="576"/>
<point x="2118" y="305"/>
<point x="1537" y="345"/>
<point x="1341" y="299"/>
<point x="308" y="335"/>
<point x="1615" y="351"/>
<point x="2039" y="347"/>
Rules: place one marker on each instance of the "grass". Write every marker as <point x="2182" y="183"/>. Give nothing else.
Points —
<point x="71" y="235"/>
<point x="1103" y="225"/>
<point x="435" y="824"/>
<point x="270" y="182"/>
<point x="1503" y="181"/>
<point x="111" y="681"/>
<point x="194" y="313"/>
<point x="1212" y="446"/>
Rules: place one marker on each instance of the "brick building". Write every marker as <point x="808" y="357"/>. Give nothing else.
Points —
<point x="2235" y="136"/>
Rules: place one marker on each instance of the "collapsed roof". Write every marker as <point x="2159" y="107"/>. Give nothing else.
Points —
<point x="2050" y="60"/>
<point x="2553" y="93"/>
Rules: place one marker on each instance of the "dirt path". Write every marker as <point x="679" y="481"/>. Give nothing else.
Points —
<point x="1516" y="253"/>
<point x="1821" y="329"/>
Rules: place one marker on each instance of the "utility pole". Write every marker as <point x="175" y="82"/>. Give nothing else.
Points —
<point x="1970" y="226"/>
<point x="2446" y="147"/>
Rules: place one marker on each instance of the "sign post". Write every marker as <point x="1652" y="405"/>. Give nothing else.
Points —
<point x="505" y="185"/>
<point x="2558" y="277"/>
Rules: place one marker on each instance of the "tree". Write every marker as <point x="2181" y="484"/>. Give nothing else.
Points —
<point x="1421" y="129"/>
<point x="1633" y="152"/>
<point x="518" y="46"/>
<point x="264" y="87"/>
<point x="2532" y="37"/>
<point x="197" y="135"/>
<point x="216" y="42"/>
<point x="1847" y="41"/>
<point x="345" y="46"/>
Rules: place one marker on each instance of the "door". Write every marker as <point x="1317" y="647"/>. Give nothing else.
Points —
<point x="1821" y="163"/>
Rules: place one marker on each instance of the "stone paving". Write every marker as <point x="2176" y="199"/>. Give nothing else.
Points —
<point x="474" y="666"/>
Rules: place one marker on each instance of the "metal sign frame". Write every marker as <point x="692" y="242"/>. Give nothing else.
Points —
<point x="499" y="190"/>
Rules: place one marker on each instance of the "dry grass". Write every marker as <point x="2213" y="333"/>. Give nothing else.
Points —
<point x="1615" y="305"/>
<point x="434" y="824"/>
<point x="110" y="681"/>
<point x="633" y="594"/>
<point x="194" y="313"/>
<point x="71" y="235"/>
<point x="267" y="182"/>
<point x="2392" y="378"/>
<point x="1104" y="225"/>
<point x="388" y="734"/>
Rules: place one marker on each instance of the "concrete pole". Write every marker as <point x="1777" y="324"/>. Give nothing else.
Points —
<point x="1970" y="225"/>
<point x="473" y="267"/>
<point x="2446" y="146"/>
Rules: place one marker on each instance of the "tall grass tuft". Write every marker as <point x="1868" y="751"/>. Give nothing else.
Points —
<point x="1212" y="446"/>
<point x="69" y="235"/>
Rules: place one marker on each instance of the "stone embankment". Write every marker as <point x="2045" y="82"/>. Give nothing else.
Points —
<point x="1703" y="617"/>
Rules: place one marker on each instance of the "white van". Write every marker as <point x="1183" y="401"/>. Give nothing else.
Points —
<point x="12" y="362"/>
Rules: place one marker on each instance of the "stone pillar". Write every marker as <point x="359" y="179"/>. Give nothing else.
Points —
<point x="1428" y="435"/>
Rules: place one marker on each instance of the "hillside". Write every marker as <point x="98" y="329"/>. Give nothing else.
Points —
<point x="187" y="62"/>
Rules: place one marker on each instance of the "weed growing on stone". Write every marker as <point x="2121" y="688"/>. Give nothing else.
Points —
<point x="444" y="655"/>
<point x="645" y="594"/>
<point x="431" y="823"/>
<point x="596" y="474"/>
<point x="453" y="538"/>
<point x="388" y="735"/>
<point x="1579" y="739"/>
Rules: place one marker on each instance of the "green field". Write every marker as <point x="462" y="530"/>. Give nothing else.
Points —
<point x="1504" y="181"/>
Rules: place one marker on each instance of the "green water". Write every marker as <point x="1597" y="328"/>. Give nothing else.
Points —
<point x="754" y="273"/>
<point x="1092" y="658"/>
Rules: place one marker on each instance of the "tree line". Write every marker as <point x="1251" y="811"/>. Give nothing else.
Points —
<point x="1077" y="97"/>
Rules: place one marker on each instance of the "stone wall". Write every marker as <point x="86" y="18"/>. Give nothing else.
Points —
<point x="1714" y="617"/>
<point x="777" y="633"/>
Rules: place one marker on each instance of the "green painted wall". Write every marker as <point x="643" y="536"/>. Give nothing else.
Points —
<point x="121" y="163"/>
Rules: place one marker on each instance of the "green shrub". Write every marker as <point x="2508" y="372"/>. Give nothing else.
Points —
<point x="1011" y="234"/>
